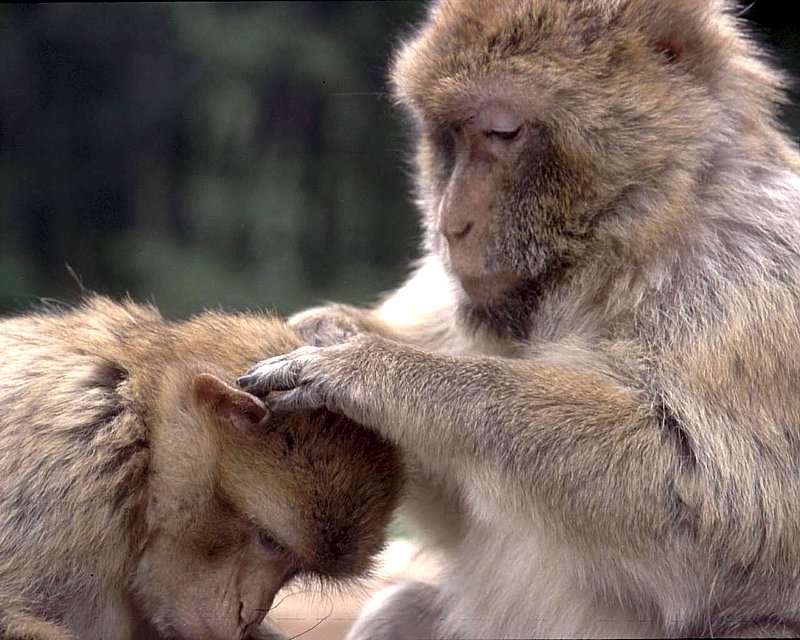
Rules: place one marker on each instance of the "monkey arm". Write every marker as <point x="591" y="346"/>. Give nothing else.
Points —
<point x="423" y="312"/>
<point x="563" y="439"/>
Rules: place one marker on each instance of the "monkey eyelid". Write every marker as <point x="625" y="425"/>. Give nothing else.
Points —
<point x="497" y="119"/>
<point x="267" y="540"/>
<point x="502" y="126"/>
<point x="507" y="136"/>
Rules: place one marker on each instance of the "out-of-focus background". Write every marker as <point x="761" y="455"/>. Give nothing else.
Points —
<point x="242" y="155"/>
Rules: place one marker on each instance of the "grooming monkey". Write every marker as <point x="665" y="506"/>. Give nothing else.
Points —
<point x="142" y="497"/>
<point x="595" y="367"/>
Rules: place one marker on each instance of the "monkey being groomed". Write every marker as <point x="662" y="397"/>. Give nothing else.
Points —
<point x="143" y="497"/>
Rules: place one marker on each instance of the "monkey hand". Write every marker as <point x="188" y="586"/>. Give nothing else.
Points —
<point x="311" y="378"/>
<point x="328" y="325"/>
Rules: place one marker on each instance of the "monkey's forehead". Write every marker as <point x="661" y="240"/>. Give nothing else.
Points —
<point x="528" y="44"/>
<point x="472" y="49"/>
<point x="516" y="23"/>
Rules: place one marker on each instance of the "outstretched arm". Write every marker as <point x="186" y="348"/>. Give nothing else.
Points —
<point x="563" y="440"/>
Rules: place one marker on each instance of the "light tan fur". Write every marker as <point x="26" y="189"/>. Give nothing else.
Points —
<point x="143" y="497"/>
<point x="595" y="367"/>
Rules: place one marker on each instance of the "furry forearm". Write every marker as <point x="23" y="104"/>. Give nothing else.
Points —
<point x="564" y="439"/>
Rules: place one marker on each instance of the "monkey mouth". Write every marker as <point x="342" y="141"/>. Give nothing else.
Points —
<point x="487" y="287"/>
<point x="508" y="312"/>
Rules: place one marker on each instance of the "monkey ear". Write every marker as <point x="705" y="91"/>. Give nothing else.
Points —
<point x="695" y="33"/>
<point x="240" y="408"/>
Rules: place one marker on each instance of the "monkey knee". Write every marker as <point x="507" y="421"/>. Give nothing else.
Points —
<point x="408" y="611"/>
<point x="327" y="326"/>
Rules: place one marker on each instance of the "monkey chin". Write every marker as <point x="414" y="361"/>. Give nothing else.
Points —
<point x="486" y="288"/>
<point x="502" y="303"/>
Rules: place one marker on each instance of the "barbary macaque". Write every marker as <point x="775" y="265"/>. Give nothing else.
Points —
<point x="145" y="497"/>
<point x="595" y="369"/>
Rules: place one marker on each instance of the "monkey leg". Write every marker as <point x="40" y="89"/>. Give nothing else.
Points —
<point x="407" y="611"/>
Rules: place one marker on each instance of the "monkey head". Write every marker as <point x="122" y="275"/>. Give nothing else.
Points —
<point x="242" y="501"/>
<point x="546" y="127"/>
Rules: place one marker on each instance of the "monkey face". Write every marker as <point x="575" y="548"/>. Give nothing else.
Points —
<point x="244" y="500"/>
<point x="543" y="125"/>
<point x="213" y="583"/>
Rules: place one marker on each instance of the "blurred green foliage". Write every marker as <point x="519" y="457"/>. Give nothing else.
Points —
<point x="195" y="154"/>
<point x="242" y="155"/>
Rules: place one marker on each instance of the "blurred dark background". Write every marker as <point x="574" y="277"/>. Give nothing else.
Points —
<point x="242" y="155"/>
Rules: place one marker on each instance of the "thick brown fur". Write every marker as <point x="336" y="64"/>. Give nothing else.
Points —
<point x="139" y="491"/>
<point x="595" y="366"/>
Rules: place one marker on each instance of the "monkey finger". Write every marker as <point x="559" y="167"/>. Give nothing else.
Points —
<point x="297" y="399"/>
<point x="275" y="374"/>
